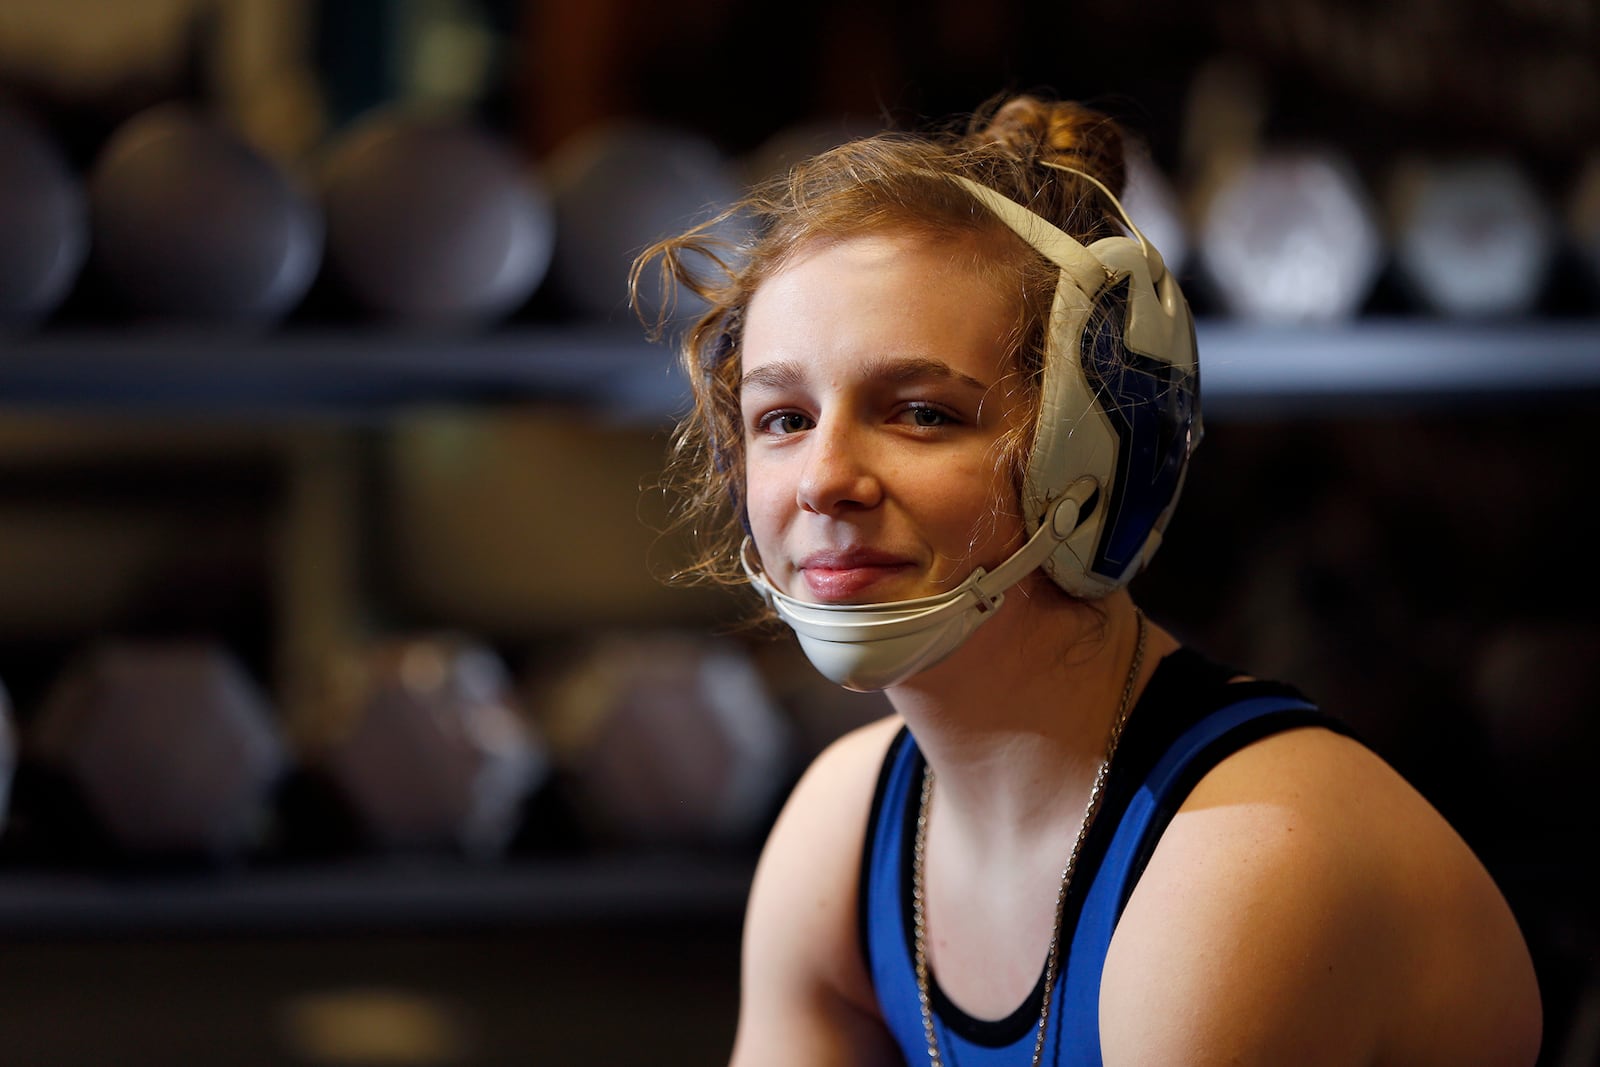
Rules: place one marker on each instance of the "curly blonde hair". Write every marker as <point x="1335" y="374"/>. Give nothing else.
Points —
<point x="887" y="182"/>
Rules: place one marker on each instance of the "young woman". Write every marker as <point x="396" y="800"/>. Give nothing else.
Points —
<point x="944" y="405"/>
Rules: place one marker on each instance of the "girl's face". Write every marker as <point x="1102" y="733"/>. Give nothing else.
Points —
<point x="874" y="397"/>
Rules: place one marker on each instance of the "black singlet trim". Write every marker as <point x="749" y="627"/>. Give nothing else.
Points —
<point x="1184" y="679"/>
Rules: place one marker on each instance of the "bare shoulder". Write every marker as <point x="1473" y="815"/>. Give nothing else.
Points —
<point x="810" y="867"/>
<point x="1308" y="906"/>
<point x="805" y="996"/>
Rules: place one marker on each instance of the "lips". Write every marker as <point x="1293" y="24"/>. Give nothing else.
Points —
<point x="836" y="577"/>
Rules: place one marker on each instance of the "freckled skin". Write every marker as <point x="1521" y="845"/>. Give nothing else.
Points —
<point x="876" y="366"/>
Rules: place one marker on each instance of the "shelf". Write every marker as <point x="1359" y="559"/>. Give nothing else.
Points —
<point x="345" y="374"/>
<point x="374" y="895"/>
<point x="1406" y="363"/>
<point x="1247" y="370"/>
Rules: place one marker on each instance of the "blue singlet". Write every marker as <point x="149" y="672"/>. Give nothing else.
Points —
<point x="1187" y="720"/>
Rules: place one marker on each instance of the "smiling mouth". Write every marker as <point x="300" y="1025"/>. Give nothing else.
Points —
<point x="837" y="583"/>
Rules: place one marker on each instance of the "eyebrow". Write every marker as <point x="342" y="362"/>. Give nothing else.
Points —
<point x="787" y="373"/>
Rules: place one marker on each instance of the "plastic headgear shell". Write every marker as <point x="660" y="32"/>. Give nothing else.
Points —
<point x="1076" y="434"/>
<point x="874" y="646"/>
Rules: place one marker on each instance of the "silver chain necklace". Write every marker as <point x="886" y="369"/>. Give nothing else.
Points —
<point x="1052" y="959"/>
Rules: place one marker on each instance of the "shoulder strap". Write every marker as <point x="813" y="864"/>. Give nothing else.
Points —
<point x="881" y="823"/>
<point x="884" y="860"/>
<point x="1149" y="811"/>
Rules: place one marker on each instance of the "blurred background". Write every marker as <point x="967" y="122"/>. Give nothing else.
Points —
<point x="345" y="717"/>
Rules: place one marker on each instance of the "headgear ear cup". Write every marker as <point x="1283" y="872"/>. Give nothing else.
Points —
<point x="1119" y="400"/>
<point x="1136" y="355"/>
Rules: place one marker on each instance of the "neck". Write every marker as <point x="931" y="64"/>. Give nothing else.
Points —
<point x="1015" y="724"/>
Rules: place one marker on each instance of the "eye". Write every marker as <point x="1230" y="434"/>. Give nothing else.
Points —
<point x="927" y="416"/>
<point x="784" y="422"/>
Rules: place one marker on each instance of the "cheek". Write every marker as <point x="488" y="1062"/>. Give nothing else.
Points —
<point x="957" y="509"/>
<point x="764" y="500"/>
<point x="992" y="497"/>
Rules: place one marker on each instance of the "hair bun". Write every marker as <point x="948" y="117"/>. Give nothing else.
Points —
<point x="1039" y="131"/>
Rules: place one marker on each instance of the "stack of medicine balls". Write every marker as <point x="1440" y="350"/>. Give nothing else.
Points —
<point x="408" y="217"/>
<point x="429" y="219"/>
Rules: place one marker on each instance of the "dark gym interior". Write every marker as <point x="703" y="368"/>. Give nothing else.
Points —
<point x="346" y="713"/>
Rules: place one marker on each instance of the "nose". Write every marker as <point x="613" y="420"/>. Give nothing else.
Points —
<point x="839" y="472"/>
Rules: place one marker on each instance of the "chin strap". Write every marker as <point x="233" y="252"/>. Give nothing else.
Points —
<point x="1065" y="516"/>
<point x="901" y="637"/>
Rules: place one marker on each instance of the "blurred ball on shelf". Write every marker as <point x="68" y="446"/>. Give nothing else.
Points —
<point x="433" y="221"/>
<point x="423" y="738"/>
<point x="190" y="222"/>
<point x="665" y="739"/>
<point x="173" y="747"/>
<point x="1472" y="237"/>
<point x="44" y="222"/>
<point x="618" y="189"/>
<point x="1289" y="236"/>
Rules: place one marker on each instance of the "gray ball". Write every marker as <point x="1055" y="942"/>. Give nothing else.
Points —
<point x="433" y="221"/>
<point x="44" y="225"/>
<point x="618" y="189"/>
<point x="190" y="221"/>
<point x="1290" y="236"/>
<point x="1474" y="238"/>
